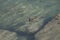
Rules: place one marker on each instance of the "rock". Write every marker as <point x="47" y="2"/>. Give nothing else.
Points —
<point x="51" y="31"/>
<point x="7" y="35"/>
<point x="27" y="17"/>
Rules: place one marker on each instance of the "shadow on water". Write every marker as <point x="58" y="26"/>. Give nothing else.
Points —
<point x="44" y="23"/>
<point x="12" y="27"/>
<point x="30" y="36"/>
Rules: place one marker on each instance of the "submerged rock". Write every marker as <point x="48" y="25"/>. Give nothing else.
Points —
<point x="51" y="30"/>
<point x="27" y="17"/>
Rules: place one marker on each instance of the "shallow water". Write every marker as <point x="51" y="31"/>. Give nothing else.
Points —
<point x="16" y="13"/>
